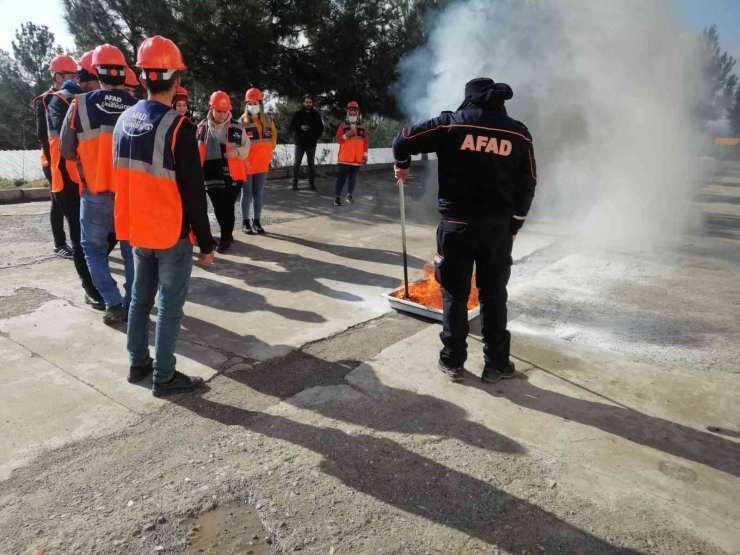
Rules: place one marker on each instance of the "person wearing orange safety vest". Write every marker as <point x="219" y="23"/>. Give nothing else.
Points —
<point x="353" y="147"/>
<point x="62" y="68"/>
<point x="260" y="129"/>
<point x="65" y="178"/>
<point x="160" y="204"/>
<point x="224" y="147"/>
<point x="182" y="99"/>
<point x="87" y="137"/>
<point x="131" y="83"/>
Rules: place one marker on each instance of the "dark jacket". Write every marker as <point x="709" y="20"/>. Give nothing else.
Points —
<point x="487" y="169"/>
<point x="39" y="114"/>
<point x="311" y="118"/>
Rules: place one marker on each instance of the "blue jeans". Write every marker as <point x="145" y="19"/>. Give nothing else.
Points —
<point x="96" y="221"/>
<point x="347" y="172"/>
<point x="254" y="189"/>
<point x="167" y="271"/>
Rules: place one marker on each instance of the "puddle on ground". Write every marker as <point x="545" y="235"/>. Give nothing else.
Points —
<point x="233" y="529"/>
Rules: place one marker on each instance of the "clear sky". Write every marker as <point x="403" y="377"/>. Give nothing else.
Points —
<point x="698" y="14"/>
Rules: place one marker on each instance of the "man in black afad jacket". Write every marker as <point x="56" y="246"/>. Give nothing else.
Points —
<point x="487" y="178"/>
<point x="307" y="128"/>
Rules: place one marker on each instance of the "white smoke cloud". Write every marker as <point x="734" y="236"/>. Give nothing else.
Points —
<point x="606" y="89"/>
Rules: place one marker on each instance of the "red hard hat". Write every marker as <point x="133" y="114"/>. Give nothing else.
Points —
<point x="220" y="101"/>
<point x="131" y="80"/>
<point x="159" y="53"/>
<point x="108" y="55"/>
<point x="182" y="92"/>
<point x="353" y="104"/>
<point x="85" y="62"/>
<point x="63" y="64"/>
<point x="253" y="95"/>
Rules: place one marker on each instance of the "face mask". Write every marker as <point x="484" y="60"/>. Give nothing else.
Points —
<point x="352" y="119"/>
<point x="254" y="110"/>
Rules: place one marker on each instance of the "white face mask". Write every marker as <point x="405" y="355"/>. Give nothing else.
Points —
<point x="352" y="119"/>
<point x="254" y="110"/>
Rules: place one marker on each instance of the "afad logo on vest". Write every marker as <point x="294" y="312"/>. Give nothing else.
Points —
<point x="485" y="144"/>
<point x="136" y="125"/>
<point x="112" y="105"/>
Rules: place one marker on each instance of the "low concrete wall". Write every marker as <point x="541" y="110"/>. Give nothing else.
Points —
<point x="12" y="196"/>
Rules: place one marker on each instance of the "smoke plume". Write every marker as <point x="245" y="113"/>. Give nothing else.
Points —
<point x="605" y="88"/>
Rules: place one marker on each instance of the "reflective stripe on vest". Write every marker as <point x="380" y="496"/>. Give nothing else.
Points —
<point x="260" y="147"/>
<point x="57" y="179"/>
<point x="95" y="117"/>
<point x="352" y="150"/>
<point x="237" y="171"/>
<point x="148" y="207"/>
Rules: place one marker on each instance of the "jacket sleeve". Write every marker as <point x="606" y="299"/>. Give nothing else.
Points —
<point x="39" y="113"/>
<point x="67" y="136"/>
<point x="191" y="185"/>
<point x="243" y="149"/>
<point x="274" y="133"/>
<point x="421" y="138"/>
<point x="319" y="125"/>
<point x="367" y="140"/>
<point x="340" y="134"/>
<point x="526" y="182"/>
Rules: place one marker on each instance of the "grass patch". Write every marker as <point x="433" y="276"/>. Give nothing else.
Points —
<point x="22" y="184"/>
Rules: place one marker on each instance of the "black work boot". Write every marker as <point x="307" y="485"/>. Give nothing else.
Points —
<point x="247" y="227"/>
<point x="223" y="246"/>
<point x="453" y="373"/>
<point x="115" y="315"/>
<point x="179" y="383"/>
<point x="295" y="186"/>
<point x="311" y="186"/>
<point x="493" y="373"/>
<point x="94" y="299"/>
<point x="257" y="227"/>
<point x="137" y="374"/>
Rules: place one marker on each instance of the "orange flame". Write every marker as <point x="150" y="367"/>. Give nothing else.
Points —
<point x="427" y="292"/>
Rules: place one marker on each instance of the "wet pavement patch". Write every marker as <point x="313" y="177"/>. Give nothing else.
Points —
<point x="228" y="530"/>
<point x="24" y="300"/>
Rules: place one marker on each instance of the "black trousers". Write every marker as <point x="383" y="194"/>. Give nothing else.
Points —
<point x="56" y="216"/>
<point x="488" y="246"/>
<point x="310" y="152"/>
<point x="347" y="173"/>
<point x="224" y="200"/>
<point x="69" y="202"/>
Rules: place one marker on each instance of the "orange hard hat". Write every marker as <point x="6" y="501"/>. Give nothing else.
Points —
<point x="353" y="104"/>
<point x="159" y="53"/>
<point x="108" y="55"/>
<point x="182" y="92"/>
<point x="131" y="80"/>
<point x="253" y="95"/>
<point x="63" y="64"/>
<point x="220" y="101"/>
<point x="85" y="62"/>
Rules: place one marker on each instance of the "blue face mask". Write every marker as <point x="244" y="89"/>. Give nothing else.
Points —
<point x="72" y="86"/>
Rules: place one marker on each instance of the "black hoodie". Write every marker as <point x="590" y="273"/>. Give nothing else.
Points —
<point x="312" y="118"/>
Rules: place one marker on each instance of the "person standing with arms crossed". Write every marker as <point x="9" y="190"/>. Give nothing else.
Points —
<point x="487" y="179"/>
<point x="160" y="204"/>
<point x="307" y="128"/>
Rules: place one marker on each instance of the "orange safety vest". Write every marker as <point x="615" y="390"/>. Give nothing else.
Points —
<point x="148" y="206"/>
<point x="44" y="161"/>
<point x="352" y="151"/>
<point x="234" y="130"/>
<point x="57" y="181"/>
<point x="93" y="118"/>
<point x="260" y="146"/>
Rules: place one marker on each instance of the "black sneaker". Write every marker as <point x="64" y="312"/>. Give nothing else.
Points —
<point x="453" y="373"/>
<point x="350" y="199"/>
<point x="258" y="227"/>
<point x="311" y="187"/>
<point x="492" y="375"/>
<point x="337" y="201"/>
<point x="295" y="186"/>
<point x="223" y="246"/>
<point x="180" y="383"/>
<point x="247" y="227"/>
<point x="64" y="251"/>
<point x="94" y="302"/>
<point x="115" y="315"/>
<point x="138" y="374"/>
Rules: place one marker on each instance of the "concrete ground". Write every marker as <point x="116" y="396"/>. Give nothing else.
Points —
<point x="324" y="414"/>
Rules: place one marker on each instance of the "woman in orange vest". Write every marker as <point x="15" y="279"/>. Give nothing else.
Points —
<point x="353" y="146"/>
<point x="224" y="147"/>
<point x="182" y="99"/>
<point x="260" y="129"/>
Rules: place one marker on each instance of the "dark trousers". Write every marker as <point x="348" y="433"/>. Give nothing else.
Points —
<point x="69" y="202"/>
<point x="56" y="216"/>
<point x="224" y="201"/>
<point x="346" y="173"/>
<point x="488" y="247"/>
<point x="310" y="152"/>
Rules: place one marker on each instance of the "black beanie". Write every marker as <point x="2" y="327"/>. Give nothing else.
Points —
<point x="477" y="85"/>
<point x="84" y="76"/>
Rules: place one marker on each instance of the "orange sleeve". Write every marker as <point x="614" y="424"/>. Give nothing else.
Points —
<point x="340" y="134"/>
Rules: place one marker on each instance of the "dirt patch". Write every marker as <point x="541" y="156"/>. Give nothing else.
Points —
<point x="230" y="529"/>
<point x="23" y="301"/>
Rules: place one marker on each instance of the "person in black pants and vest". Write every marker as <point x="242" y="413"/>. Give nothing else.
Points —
<point x="307" y="128"/>
<point x="224" y="147"/>
<point x="487" y="179"/>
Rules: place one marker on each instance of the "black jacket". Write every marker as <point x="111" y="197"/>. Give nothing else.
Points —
<point x="39" y="114"/>
<point x="316" y="127"/>
<point x="486" y="170"/>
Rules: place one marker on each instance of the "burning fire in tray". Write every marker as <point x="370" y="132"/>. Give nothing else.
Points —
<point x="428" y="293"/>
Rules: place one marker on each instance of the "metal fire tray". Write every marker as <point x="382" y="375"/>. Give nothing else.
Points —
<point x="415" y="308"/>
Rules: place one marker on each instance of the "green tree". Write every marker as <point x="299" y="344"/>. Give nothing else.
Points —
<point x="719" y="80"/>
<point x="733" y="113"/>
